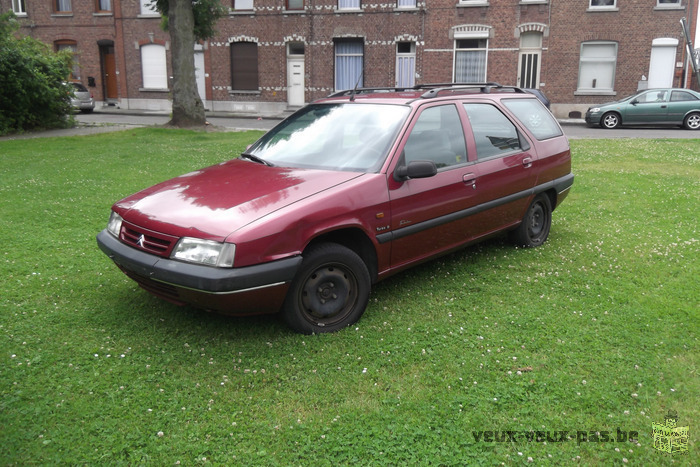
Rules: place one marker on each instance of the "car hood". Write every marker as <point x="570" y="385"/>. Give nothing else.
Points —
<point x="216" y="201"/>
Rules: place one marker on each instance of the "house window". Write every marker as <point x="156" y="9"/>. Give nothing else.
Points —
<point x="295" y="4"/>
<point x="72" y="48"/>
<point x="154" y="67"/>
<point x="405" y="64"/>
<point x="597" y="67"/>
<point x="103" y="6"/>
<point x="406" y="4"/>
<point x="603" y="3"/>
<point x="243" y="5"/>
<point x="63" y="6"/>
<point x="349" y="59"/>
<point x="244" y="66"/>
<point x="19" y="7"/>
<point x="148" y="9"/>
<point x="470" y="60"/>
<point x="667" y="3"/>
<point x="348" y="4"/>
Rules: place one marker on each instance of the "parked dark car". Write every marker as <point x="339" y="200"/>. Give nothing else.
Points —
<point x="540" y="95"/>
<point x="653" y="107"/>
<point x="345" y="192"/>
<point x="81" y="99"/>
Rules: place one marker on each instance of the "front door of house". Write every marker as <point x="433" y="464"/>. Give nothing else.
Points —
<point x="109" y="72"/>
<point x="295" y="74"/>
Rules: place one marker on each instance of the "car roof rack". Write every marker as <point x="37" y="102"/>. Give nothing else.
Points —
<point x="432" y="89"/>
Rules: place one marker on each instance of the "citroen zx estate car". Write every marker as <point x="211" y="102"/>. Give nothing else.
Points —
<point x="346" y="192"/>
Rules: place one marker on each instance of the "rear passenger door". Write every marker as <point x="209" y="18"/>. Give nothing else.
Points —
<point x="504" y="167"/>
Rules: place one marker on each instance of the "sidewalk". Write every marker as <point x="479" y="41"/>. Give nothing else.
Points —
<point x="276" y="116"/>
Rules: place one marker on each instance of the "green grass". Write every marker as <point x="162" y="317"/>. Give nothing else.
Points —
<point x="595" y="331"/>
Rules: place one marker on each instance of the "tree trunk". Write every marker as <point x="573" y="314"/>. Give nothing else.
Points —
<point x="188" y="110"/>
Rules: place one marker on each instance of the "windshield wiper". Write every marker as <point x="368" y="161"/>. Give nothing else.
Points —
<point x="255" y="158"/>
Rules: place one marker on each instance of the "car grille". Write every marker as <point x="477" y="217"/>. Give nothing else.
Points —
<point x="146" y="240"/>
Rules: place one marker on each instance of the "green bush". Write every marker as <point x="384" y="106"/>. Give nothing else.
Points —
<point x="31" y="82"/>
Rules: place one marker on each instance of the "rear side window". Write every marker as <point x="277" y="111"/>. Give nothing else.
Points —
<point x="535" y="117"/>
<point x="494" y="134"/>
<point x="680" y="96"/>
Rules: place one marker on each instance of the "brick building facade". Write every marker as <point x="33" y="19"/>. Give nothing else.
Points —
<point x="271" y="55"/>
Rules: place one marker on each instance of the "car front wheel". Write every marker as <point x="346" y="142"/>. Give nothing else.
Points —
<point x="330" y="291"/>
<point x="692" y="121"/>
<point x="610" y="120"/>
<point x="534" y="229"/>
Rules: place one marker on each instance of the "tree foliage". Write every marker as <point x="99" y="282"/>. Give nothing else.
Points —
<point x="32" y="89"/>
<point x="206" y="14"/>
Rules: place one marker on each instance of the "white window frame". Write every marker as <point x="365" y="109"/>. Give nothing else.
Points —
<point x="607" y="5"/>
<point x="19" y="7"/>
<point x="63" y="7"/>
<point x="458" y="51"/>
<point x="154" y="67"/>
<point x="348" y="79"/>
<point x="349" y="5"/>
<point x="406" y="4"/>
<point x="669" y="4"/>
<point x="587" y="60"/>
<point x="147" y="9"/>
<point x="243" y="5"/>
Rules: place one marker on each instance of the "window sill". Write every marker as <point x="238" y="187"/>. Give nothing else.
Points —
<point x="154" y="90"/>
<point x="595" y="92"/>
<point x="407" y="9"/>
<point x="472" y="4"/>
<point x="602" y="9"/>
<point x="148" y="15"/>
<point x="103" y="13"/>
<point x="241" y="12"/>
<point x="249" y="92"/>
<point x="348" y="10"/>
<point x="533" y="2"/>
<point x="21" y="15"/>
<point x="669" y="7"/>
<point x="68" y="14"/>
<point x="293" y="12"/>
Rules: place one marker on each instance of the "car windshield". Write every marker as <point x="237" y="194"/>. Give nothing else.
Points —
<point x="342" y="136"/>
<point x="79" y="87"/>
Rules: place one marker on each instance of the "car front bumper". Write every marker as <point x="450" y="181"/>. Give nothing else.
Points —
<point x="593" y="118"/>
<point x="260" y="288"/>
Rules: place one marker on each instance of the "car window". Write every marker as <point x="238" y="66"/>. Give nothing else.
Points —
<point x="350" y="137"/>
<point x="79" y="87"/>
<point x="494" y="134"/>
<point x="535" y="117"/>
<point x="652" y="96"/>
<point x="679" y="96"/>
<point x="437" y="136"/>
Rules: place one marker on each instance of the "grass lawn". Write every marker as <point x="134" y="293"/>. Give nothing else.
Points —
<point x="594" y="334"/>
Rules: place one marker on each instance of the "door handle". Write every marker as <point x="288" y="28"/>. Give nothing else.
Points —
<point x="469" y="179"/>
<point x="527" y="162"/>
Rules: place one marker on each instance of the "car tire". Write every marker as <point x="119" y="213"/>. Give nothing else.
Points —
<point x="534" y="228"/>
<point x="610" y="120"/>
<point x="329" y="292"/>
<point x="692" y="121"/>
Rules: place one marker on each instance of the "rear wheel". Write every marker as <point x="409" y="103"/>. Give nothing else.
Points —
<point x="692" y="121"/>
<point x="330" y="291"/>
<point x="534" y="229"/>
<point x="610" y="120"/>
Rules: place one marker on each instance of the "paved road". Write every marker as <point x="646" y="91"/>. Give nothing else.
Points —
<point x="104" y="121"/>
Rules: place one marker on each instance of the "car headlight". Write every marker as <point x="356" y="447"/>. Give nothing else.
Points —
<point x="207" y="252"/>
<point x="594" y="110"/>
<point x="114" y="226"/>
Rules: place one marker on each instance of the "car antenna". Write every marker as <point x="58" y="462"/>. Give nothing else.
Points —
<point x="354" y="90"/>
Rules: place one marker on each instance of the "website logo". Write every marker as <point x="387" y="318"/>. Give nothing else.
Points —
<point x="670" y="438"/>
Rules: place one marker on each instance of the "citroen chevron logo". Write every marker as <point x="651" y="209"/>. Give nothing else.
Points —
<point x="141" y="240"/>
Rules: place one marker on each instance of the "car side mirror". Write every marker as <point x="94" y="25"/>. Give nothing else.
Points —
<point x="634" y="102"/>
<point x="415" y="169"/>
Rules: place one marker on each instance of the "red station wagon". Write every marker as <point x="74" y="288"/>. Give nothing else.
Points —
<point x="345" y="192"/>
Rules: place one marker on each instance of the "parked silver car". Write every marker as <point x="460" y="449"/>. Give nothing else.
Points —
<point x="81" y="99"/>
